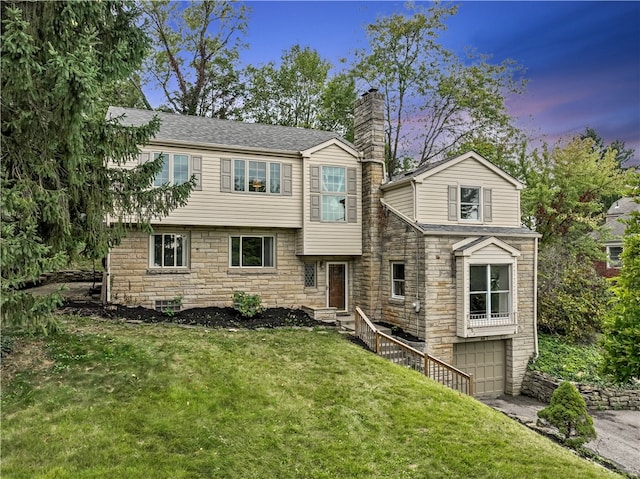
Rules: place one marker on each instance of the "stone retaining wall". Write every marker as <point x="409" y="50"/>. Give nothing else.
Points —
<point x="541" y="386"/>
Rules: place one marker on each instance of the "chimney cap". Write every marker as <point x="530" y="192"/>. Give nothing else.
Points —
<point x="371" y="90"/>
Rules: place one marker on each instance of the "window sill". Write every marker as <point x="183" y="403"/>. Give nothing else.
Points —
<point x="249" y="271"/>
<point x="396" y="300"/>
<point x="168" y="271"/>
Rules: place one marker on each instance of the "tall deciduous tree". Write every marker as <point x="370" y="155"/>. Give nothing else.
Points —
<point x="299" y="92"/>
<point x="57" y="186"/>
<point x="434" y="100"/>
<point x="195" y="56"/>
<point x="563" y="201"/>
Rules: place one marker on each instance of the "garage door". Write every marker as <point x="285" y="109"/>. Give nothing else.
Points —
<point x="486" y="361"/>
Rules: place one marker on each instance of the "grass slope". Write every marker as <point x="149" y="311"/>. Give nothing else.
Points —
<point x="138" y="401"/>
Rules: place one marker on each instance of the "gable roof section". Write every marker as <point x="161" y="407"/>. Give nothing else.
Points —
<point x="198" y="130"/>
<point x="419" y="174"/>
<point x="471" y="245"/>
<point x="332" y="142"/>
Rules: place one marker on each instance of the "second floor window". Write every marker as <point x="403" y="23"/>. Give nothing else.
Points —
<point x="333" y="193"/>
<point x="256" y="176"/>
<point x="175" y="169"/>
<point x="469" y="203"/>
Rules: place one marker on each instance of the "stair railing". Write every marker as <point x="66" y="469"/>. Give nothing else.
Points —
<point x="400" y="353"/>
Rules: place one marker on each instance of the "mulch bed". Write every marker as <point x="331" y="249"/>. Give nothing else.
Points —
<point x="211" y="317"/>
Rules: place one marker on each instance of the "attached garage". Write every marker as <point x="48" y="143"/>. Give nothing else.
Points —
<point x="486" y="361"/>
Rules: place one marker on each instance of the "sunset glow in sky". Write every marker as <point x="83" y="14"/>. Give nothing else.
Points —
<point x="582" y="58"/>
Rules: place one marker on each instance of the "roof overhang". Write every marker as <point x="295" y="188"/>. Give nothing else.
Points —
<point x="469" y="246"/>
<point x="331" y="142"/>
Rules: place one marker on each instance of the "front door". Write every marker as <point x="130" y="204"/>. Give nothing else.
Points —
<point x="337" y="286"/>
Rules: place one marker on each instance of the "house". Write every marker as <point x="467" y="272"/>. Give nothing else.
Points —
<point x="307" y="219"/>
<point x="615" y="225"/>
<point x="276" y="211"/>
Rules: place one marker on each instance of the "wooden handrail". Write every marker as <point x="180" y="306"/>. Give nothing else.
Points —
<point x="454" y="377"/>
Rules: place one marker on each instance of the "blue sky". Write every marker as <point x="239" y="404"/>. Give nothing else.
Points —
<point x="582" y="58"/>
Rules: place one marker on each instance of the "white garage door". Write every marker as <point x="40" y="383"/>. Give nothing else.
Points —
<point x="486" y="361"/>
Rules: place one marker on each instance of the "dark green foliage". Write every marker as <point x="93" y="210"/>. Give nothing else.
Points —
<point x="58" y="60"/>
<point x="621" y="339"/>
<point x="569" y="361"/>
<point x="567" y="411"/>
<point x="572" y="297"/>
<point x="248" y="305"/>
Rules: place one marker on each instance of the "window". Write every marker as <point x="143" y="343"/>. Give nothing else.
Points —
<point x="333" y="193"/>
<point x="175" y="169"/>
<point x="256" y="176"/>
<point x="613" y="256"/>
<point x="169" y="250"/>
<point x="489" y="292"/>
<point x="253" y="251"/>
<point x="309" y="275"/>
<point x="397" y="280"/>
<point x="469" y="203"/>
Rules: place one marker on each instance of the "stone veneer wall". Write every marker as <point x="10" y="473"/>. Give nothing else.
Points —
<point x="541" y="386"/>
<point x="402" y="243"/>
<point x="442" y="304"/>
<point x="210" y="281"/>
<point x="369" y="138"/>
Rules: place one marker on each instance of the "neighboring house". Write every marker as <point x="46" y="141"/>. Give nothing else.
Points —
<point x="619" y="211"/>
<point x="306" y="219"/>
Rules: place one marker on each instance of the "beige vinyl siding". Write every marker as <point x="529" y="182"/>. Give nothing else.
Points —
<point x="326" y="238"/>
<point x="432" y="194"/>
<point x="211" y="207"/>
<point x="491" y="254"/>
<point x="401" y="199"/>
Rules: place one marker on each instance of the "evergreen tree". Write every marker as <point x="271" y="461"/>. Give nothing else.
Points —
<point x="63" y="171"/>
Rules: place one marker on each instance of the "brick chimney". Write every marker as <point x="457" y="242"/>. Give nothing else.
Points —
<point x="369" y="139"/>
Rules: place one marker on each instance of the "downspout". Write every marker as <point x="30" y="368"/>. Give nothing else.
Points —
<point x="535" y="299"/>
<point x="416" y="304"/>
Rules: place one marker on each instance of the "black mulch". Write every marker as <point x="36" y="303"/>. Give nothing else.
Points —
<point x="211" y="317"/>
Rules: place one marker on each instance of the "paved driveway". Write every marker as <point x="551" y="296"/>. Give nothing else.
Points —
<point x="618" y="431"/>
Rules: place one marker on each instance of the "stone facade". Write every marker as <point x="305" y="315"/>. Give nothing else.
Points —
<point x="210" y="281"/>
<point x="541" y="386"/>
<point x="369" y="138"/>
<point x="431" y="279"/>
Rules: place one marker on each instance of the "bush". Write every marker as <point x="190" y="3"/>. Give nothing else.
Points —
<point x="621" y="339"/>
<point x="572" y="297"/>
<point x="248" y="305"/>
<point x="567" y="411"/>
<point x="569" y="361"/>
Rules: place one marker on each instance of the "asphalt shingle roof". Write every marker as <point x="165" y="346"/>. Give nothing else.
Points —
<point x="477" y="230"/>
<point x="201" y="130"/>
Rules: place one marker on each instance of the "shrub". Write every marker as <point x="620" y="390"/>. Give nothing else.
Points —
<point x="572" y="297"/>
<point x="248" y="305"/>
<point x="567" y="411"/>
<point x="621" y="339"/>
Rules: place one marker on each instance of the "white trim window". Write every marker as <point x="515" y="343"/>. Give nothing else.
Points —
<point x="470" y="203"/>
<point x="334" y="193"/>
<point x="169" y="250"/>
<point x="175" y="169"/>
<point x="397" y="280"/>
<point x="252" y="252"/>
<point x="613" y="256"/>
<point x="489" y="293"/>
<point x="257" y="176"/>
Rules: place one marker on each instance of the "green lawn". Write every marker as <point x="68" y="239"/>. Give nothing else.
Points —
<point x="135" y="401"/>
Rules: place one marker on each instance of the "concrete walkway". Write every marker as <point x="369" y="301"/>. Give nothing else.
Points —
<point x="618" y="431"/>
